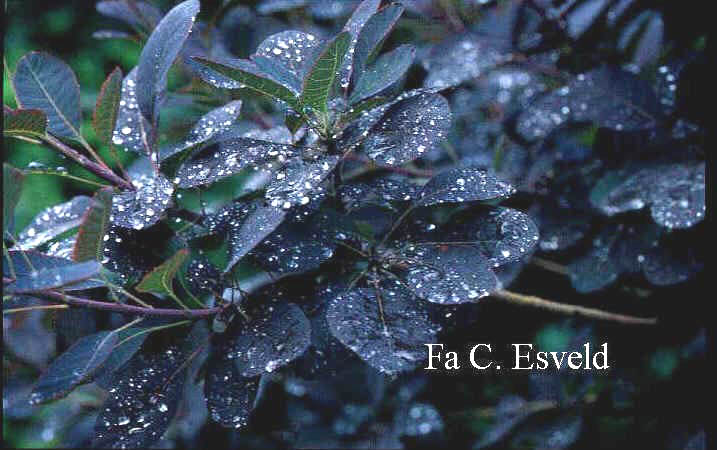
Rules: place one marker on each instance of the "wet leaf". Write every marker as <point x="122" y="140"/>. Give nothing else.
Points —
<point x="142" y="400"/>
<point x="159" y="280"/>
<point x="319" y="80"/>
<point x="300" y="182"/>
<point x="12" y="180"/>
<point x="129" y="341"/>
<point x="387" y="70"/>
<point x="372" y="36"/>
<point x="131" y="128"/>
<point x="73" y="366"/>
<point x="408" y="129"/>
<point x="273" y="6"/>
<point x="106" y="110"/>
<point x="44" y="82"/>
<point x="248" y="74"/>
<point x="296" y="247"/>
<point x="463" y="58"/>
<point x="212" y="123"/>
<point x="53" y="221"/>
<point x="144" y="206"/>
<point x="36" y="272"/>
<point x="90" y="237"/>
<point x="247" y="226"/>
<point x="593" y="271"/>
<point x="607" y="96"/>
<point x="230" y="157"/>
<point x="449" y="275"/>
<point x="465" y="184"/>
<point x="363" y="12"/>
<point x="381" y="191"/>
<point x="230" y="397"/>
<point x="275" y="336"/>
<point x="158" y="55"/>
<point x="24" y="122"/>
<point x="288" y="55"/>
<point x="388" y="330"/>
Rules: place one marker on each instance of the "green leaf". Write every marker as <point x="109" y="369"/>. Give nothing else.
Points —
<point x="293" y="121"/>
<point x="366" y="105"/>
<point x="88" y="245"/>
<point x="11" y="187"/>
<point x="159" y="280"/>
<point x="320" y="79"/>
<point x="37" y="272"/>
<point x="158" y="55"/>
<point x="73" y="367"/>
<point x="30" y="123"/>
<point x="46" y="83"/>
<point x="387" y="70"/>
<point x="107" y="107"/>
<point x="247" y="73"/>
<point x="373" y="35"/>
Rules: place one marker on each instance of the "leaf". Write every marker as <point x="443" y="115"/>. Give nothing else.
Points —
<point x="273" y="6"/>
<point x="137" y="413"/>
<point x="44" y="82"/>
<point x="381" y="191"/>
<point x="131" y="128"/>
<point x="230" y="157"/>
<point x="418" y="419"/>
<point x="144" y="17"/>
<point x="73" y="367"/>
<point x="463" y="58"/>
<point x="106" y="110"/>
<point x="320" y="80"/>
<point x="288" y="56"/>
<point x="388" y="332"/>
<point x="372" y="35"/>
<point x="275" y="336"/>
<point x="386" y="71"/>
<point x="248" y="74"/>
<point x="93" y="229"/>
<point x="129" y="341"/>
<point x="129" y="253"/>
<point x="608" y="97"/>
<point x="297" y="247"/>
<point x="595" y="270"/>
<point x="159" y="53"/>
<point x="159" y="280"/>
<point x="408" y="129"/>
<point x="230" y="397"/>
<point x="675" y="192"/>
<point x="144" y="206"/>
<point x="248" y="225"/>
<point x="465" y="184"/>
<point x="36" y="272"/>
<point x="300" y="182"/>
<point x="12" y="179"/>
<point x="53" y="221"/>
<point x="363" y="12"/>
<point x="449" y="275"/>
<point x="24" y="122"/>
<point x="212" y="123"/>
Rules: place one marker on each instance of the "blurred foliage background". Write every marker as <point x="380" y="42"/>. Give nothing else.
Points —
<point x="659" y="362"/>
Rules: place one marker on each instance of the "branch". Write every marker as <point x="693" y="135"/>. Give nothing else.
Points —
<point x="529" y="300"/>
<point x="130" y="309"/>
<point x="88" y="164"/>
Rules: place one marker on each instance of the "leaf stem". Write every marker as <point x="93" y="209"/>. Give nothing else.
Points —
<point x="530" y="300"/>
<point x="549" y="265"/>
<point x="85" y="162"/>
<point x="131" y="309"/>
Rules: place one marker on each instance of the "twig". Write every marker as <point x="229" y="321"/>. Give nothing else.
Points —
<point x="529" y="300"/>
<point x="32" y="308"/>
<point x="85" y="162"/>
<point x="130" y="309"/>
<point x="549" y="265"/>
<point x="372" y="165"/>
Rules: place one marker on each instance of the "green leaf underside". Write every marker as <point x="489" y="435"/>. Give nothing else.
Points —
<point x="46" y="83"/>
<point x="88" y="245"/>
<point x="372" y="36"/>
<point x="247" y="73"/>
<point x="159" y="280"/>
<point x="320" y="79"/>
<point x="24" y="122"/>
<point x="107" y="107"/>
